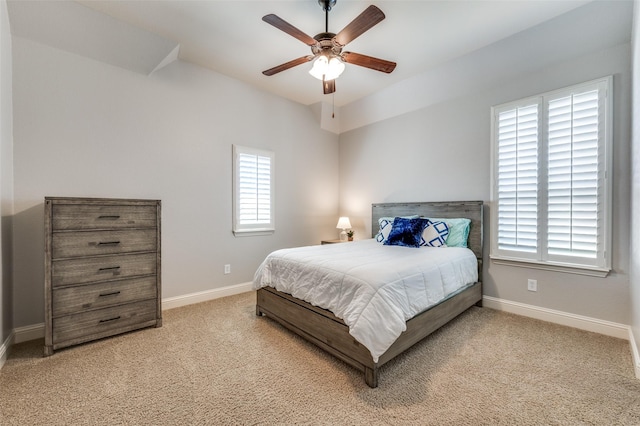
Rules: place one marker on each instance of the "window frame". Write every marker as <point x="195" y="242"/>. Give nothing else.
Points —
<point x="243" y="230"/>
<point x="541" y="258"/>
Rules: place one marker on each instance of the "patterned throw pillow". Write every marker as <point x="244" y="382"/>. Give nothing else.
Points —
<point x="385" y="223"/>
<point x="406" y="232"/>
<point x="435" y="234"/>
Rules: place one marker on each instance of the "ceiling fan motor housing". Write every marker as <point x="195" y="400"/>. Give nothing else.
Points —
<point x="326" y="45"/>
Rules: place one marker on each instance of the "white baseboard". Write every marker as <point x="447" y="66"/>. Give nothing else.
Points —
<point x="29" y="332"/>
<point x="36" y="331"/>
<point x="607" y="328"/>
<point x="4" y="349"/>
<point x="203" y="296"/>
<point x="634" y="353"/>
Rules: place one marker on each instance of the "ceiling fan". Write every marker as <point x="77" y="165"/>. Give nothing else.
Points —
<point x="327" y="47"/>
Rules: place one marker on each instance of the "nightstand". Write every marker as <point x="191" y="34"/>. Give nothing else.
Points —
<point x="332" y="241"/>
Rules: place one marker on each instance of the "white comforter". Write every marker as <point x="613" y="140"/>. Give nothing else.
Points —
<point x="373" y="288"/>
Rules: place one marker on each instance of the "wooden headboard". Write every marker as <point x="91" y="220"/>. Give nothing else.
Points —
<point x="452" y="209"/>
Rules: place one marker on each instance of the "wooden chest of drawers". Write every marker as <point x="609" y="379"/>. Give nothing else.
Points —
<point x="102" y="268"/>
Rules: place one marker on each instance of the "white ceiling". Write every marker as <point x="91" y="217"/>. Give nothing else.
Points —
<point x="230" y="37"/>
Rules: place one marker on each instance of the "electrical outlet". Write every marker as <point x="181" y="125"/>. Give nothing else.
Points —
<point x="532" y="285"/>
<point x="227" y="269"/>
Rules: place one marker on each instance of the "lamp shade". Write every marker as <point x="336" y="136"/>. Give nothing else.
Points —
<point x="343" y="223"/>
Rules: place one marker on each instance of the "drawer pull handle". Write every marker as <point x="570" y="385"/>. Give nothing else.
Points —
<point x="110" y="319"/>
<point x="109" y="243"/>
<point x="112" y="217"/>
<point x="110" y="268"/>
<point x="113" y="293"/>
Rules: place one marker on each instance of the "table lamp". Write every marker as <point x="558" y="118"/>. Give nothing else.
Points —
<point x="344" y="224"/>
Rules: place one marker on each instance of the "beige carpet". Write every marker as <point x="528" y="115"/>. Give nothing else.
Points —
<point x="216" y="363"/>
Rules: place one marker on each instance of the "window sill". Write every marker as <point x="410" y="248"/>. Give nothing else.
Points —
<point x="555" y="267"/>
<point x="253" y="232"/>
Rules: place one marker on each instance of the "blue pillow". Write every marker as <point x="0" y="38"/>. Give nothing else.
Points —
<point x="406" y="232"/>
<point x="386" y="223"/>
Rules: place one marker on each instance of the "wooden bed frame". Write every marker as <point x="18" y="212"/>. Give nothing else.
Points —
<point x="330" y="333"/>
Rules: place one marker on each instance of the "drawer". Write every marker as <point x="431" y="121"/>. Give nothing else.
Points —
<point x="66" y="216"/>
<point x="103" y="268"/>
<point x="103" y="322"/>
<point x="68" y="300"/>
<point x="91" y="243"/>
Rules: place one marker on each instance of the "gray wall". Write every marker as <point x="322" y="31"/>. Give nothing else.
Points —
<point x="635" y="188"/>
<point x="6" y="178"/>
<point x="442" y="152"/>
<point x="83" y="128"/>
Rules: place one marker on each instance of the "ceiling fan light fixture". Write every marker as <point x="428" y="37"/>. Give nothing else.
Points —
<point x="327" y="69"/>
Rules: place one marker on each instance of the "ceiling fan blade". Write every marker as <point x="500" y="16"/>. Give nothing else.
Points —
<point x="283" y="25"/>
<point x="328" y="86"/>
<point x="287" y="65"/>
<point x="368" y="62"/>
<point x="367" y="19"/>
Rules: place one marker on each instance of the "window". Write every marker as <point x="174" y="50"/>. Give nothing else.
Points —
<point x="551" y="189"/>
<point x="252" y="191"/>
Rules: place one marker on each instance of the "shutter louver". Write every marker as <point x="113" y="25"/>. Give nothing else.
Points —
<point x="518" y="179"/>
<point x="573" y="175"/>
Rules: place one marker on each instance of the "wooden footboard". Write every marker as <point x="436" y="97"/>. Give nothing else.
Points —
<point x="330" y="333"/>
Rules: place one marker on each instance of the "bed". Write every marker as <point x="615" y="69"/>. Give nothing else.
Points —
<point x="331" y="333"/>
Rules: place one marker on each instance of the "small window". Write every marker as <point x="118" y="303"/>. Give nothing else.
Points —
<point x="253" y="212"/>
<point x="551" y="187"/>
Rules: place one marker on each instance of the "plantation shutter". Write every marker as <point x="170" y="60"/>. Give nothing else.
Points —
<point x="551" y="188"/>
<point x="517" y="174"/>
<point x="573" y="175"/>
<point x="253" y="191"/>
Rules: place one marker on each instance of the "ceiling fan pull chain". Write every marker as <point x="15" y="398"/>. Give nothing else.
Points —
<point x="333" y="105"/>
